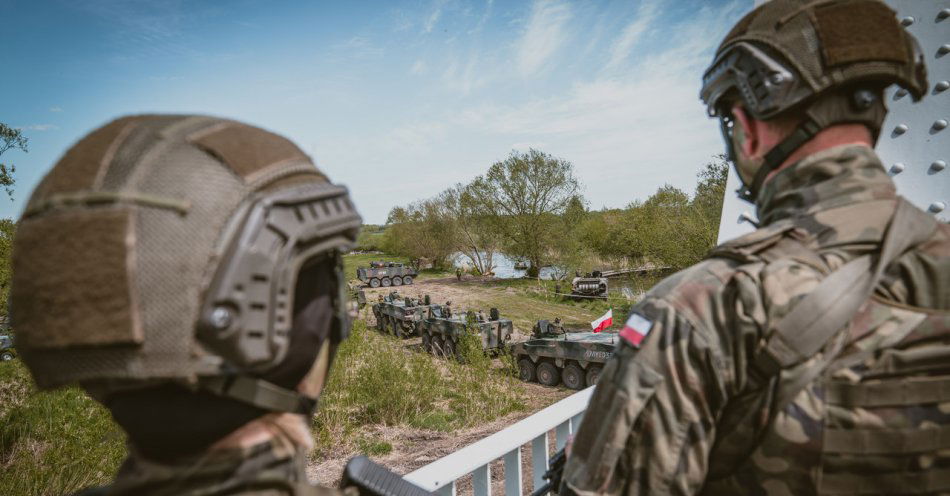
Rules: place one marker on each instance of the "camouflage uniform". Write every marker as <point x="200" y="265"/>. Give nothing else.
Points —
<point x="266" y="469"/>
<point x="687" y="413"/>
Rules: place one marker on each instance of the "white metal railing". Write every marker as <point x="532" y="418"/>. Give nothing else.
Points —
<point x="563" y="417"/>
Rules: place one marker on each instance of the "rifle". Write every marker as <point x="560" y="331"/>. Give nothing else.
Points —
<point x="553" y="475"/>
<point x="373" y="479"/>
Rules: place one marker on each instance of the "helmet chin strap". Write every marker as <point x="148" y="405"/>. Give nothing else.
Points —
<point x="775" y="157"/>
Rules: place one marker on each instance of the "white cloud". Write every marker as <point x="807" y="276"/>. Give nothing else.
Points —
<point x="433" y="17"/>
<point x="543" y="35"/>
<point x="55" y="108"/>
<point x="40" y="127"/>
<point x="419" y="67"/>
<point x="644" y="18"/>
<point x="463" y="76"/>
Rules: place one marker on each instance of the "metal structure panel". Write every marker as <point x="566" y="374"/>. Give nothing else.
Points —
<point x="915" y="139"/>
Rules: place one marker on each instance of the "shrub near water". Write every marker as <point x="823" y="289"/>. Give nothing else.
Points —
<point x="377" y="380"/>
<point x="53" y="443"/>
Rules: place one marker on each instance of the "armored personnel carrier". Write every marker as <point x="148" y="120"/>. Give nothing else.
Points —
<point x="553" y="355"/>
<point x="441" y="331"/>
<point x="592" y="285"/>
<point x="386" y="274"/>
<point x="400" y="316"/>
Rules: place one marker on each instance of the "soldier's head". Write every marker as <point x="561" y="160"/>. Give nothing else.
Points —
<point x="186" y="271"/>
<point x="794" y="72"/>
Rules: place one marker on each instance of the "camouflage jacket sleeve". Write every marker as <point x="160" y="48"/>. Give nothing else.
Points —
<point x="651" y="423"/>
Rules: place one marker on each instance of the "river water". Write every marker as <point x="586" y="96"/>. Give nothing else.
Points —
<point x="504" y="266"/>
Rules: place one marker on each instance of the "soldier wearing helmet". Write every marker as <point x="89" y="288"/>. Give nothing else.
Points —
<point x="186" y="272"/>
<point x="810" y="356"/>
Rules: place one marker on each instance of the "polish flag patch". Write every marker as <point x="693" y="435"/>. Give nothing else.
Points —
<point x="636" y="329"/>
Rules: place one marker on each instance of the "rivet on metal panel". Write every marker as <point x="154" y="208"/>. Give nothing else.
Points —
<point x="942" y="86"/>
<point x="944" y="49"/>
<point x="937" y="207"/>
<point x="938" y="165"/>
<point x="943" y="14"/>
<point x="897" y="168"/>
<point x="900" y="129"/>
<point x="907" y="21"/>
<point x="940" y="124"/>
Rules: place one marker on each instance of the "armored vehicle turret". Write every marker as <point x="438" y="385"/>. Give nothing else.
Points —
<point x="553" y="355"/>
<point x="592" y="285"/>
<point x="400" y="316"/>
<point x="441" y="330"/>
<point x="386" y="274"/>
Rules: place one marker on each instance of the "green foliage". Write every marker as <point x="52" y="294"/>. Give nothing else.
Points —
<point x="370" y="238"/>
<point x="421" y="230"/>
<point x="53" y="443"/>
<point x="10" y="139"/>
<point x="7" y="231"/>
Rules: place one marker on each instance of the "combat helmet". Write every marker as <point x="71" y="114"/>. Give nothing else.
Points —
<point x="166" y="249"/>
<point x="826" y="59"/>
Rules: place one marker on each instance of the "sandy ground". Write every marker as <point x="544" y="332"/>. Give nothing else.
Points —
<point x="414" y="448"/>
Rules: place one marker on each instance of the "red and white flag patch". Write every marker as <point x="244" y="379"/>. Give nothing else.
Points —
<point x="636" y="329"/>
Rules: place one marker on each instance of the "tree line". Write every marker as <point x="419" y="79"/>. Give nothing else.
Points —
<point x="529" y="207"/>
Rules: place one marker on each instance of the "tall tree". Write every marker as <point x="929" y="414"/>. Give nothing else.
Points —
<point x="474" y="237"/>
<point x="524" y="196"/>
<point x="10" y="139"/>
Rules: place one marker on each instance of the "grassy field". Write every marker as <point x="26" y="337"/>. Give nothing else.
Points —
<point x="52" y="443"/>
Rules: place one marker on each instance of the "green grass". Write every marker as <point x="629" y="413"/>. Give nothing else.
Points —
<point x="376" y="380"/>
<point x="53" y="443"/>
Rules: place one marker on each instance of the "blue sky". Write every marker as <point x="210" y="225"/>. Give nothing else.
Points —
<point x="397" y="100"/>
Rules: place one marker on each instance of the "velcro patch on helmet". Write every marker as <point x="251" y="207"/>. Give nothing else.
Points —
<point x="859" y="31"/>
<point x="72" y="280"/>
<point x="248" y="150"/>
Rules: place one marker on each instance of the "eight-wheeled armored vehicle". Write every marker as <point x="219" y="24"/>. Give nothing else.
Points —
<point x="592" y="285"/>
<point x="7" y="350"/>
<point x="441" y="331"/>
<point x="400" y="316"/>
<point x="552" y="355"/>
<point x="386" y="274"/>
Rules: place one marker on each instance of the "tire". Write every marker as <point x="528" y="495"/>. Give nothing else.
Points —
<point x="526" y="370"/>
<point x="407" y="280"/>
<point x="397" y="281"/>
<point x="438" y="346"/>
<point x="6" y="356"/>
<point x="387" y="282"/>
<point x="593" y="373"/>
<point x="374" y="283"/>
<point x="449" y="349"/>
<point x="573" y="377"/>
<point x="427" y="342"/>
<point x="548" y="374"/>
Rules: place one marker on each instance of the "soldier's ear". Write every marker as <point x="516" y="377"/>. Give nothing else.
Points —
<point x="749" y="141"/>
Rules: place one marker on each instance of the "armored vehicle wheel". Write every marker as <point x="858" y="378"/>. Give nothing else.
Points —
<point x="6" y="356"/>
<point x="387" y="282"/>
<point x="449" y="349"/>
<point x="407" y="280"/>
<point x="427" y="342"/>
<point x="526" y="370"/>
<point x="380" y="323"/>
<point x="374" y="283"/>
<point x="548" y="374"/>
<point x="397" y="281"/>
<point x="593" y="374"/>
<point x="438" y="346"/>
<point x="573" y="377"/>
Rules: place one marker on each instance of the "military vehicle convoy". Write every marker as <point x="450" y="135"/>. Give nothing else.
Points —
<point x="592" y="285"/>
<point x="441" y="330"/>
<point x="386" y="274"/>
<point x="400" y="316"/>
<point x="553" y="355"/>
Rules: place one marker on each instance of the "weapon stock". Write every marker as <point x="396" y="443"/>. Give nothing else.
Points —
<point x="373" y="479"/>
